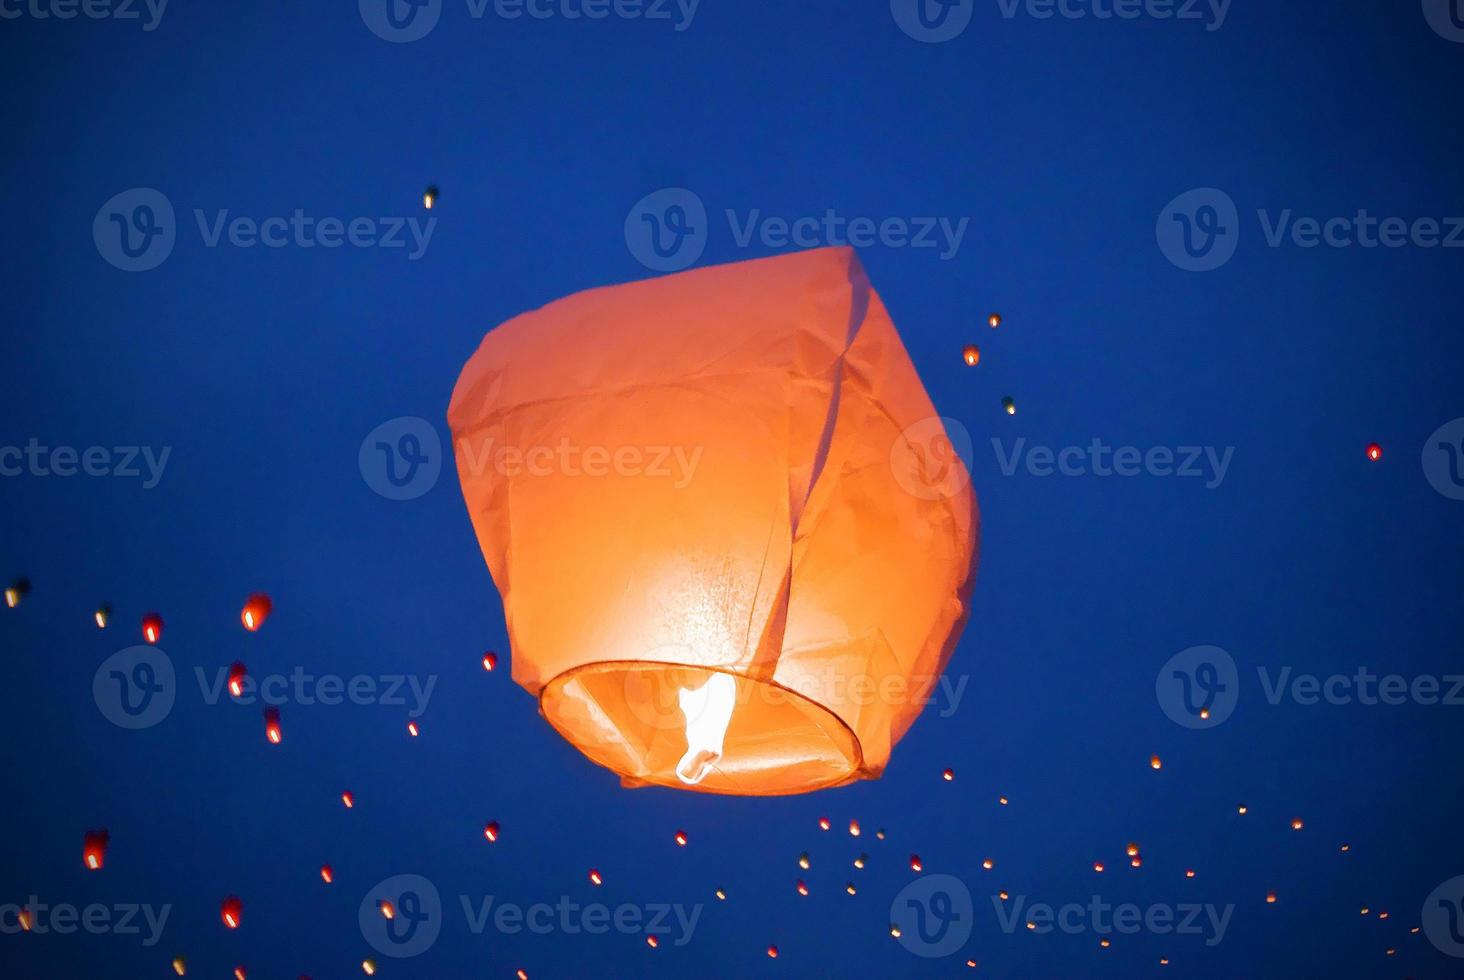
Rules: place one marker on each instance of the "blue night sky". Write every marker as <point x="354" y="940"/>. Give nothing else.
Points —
<point x="1064" y="148"/>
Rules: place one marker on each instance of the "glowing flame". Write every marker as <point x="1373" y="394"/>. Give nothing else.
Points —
<point x="708" y="711"/>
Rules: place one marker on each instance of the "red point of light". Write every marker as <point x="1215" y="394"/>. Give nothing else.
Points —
<point x="490" y="660"/>
<point x="94" y="849"/>
<point x="915" y="864"/>
<point x="152" y="627"/>
<point x="237" y="673"/>
<point x="595" y="878"/>
<point x="272" y="726"/>
<point x="348" y="799"/>
<point x="232" y="911"/>
<point x="491" y="831"/>
<point x="773" y="952"/>
<point x="681" y="838"/>
<point x="1374" y="452"/>
<point x="326" y="874"/>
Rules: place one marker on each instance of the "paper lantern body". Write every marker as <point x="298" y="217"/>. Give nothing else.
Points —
<point x="732" y="538"/>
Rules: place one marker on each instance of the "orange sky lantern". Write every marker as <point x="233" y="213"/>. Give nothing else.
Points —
<point x="152" y="627"/>
<point x="490" y="831"/>
<point x="327" y="875"/>
<point x="232" y="912"/>
<point x="971" y="354"/>
<point x="490" y="660"/>
<point x="94" y="849"/>
<point x="348" y="800"/>
<point x="237" y="673"/>
<point x="272" y="730"/>
<point x="808" y="535"/>
<point x="102" y="616"/>
<point x="256" y="610"/>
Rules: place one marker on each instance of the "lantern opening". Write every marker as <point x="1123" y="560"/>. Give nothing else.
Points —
<point x="679" y="725"/>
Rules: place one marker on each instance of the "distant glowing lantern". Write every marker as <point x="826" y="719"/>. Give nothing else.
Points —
<point x="994" y="320"/>
<point x="1003" y="895"/>
<point x="490" y="831"/>
<point x="773" y="952"/>
<point x="879" y="834"/>
<point x="850" y="888"/>
<point x="412" y="729"/>
<point x="801" y="887"/>
<point x="24" y="916"/>
<point x="429" y="196"/>
<point x="1346" y="848"/>
<point x="272" y="729"/>
<point x="680" y="838"/>
<point x="1155" y="762"/>
<point x="368" y="967"/>
<point x="1002" y="800"/>
<point x="860" y="861"/>
<point x="1189" y="873"/>
<point x="102" y="616"/>
<point x="387" y="910"/>
<point x="803" y="860"/>
<point x="1270" y="898"/>
<point x="721" y="895"/>
<point x="652" y="942"/>
<point x="522" y="975"/>
<point x="1009" y="405"/>
<point x="17" y="591"/>
<point x="1098" y="866"/>
<point x="152" y="627"/>
<point x="1296" y="823"/>
<point x="988" y="864"/>
<point x="823" y="823"/>
<point x="256" y="610"/>
<point x="915" y="864"/>
<point x="894" y="930"/>
<point x="1374" y="452"/>
<point x="326" y="874"/>
<point x="948" y="775"/>
<point x="347" y="800"/>
<point x="1104" y="943"/>
<point x="180" y="965"/>
<point x="717" y="637"/>
<point x="595" y="878"/>
<point x="971" y="355"/>
<point x="232" y="912"/>
<point x="1242" y="809"/>
<point x="1136" y="862"/>
<point x="94" y="848"/>
<point x="1133" y="850"/>
<point x="853" y="828"/>
<point x="239" y="973"/>
<point x="237" y="673"/>
<point x="490" y="660"/>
